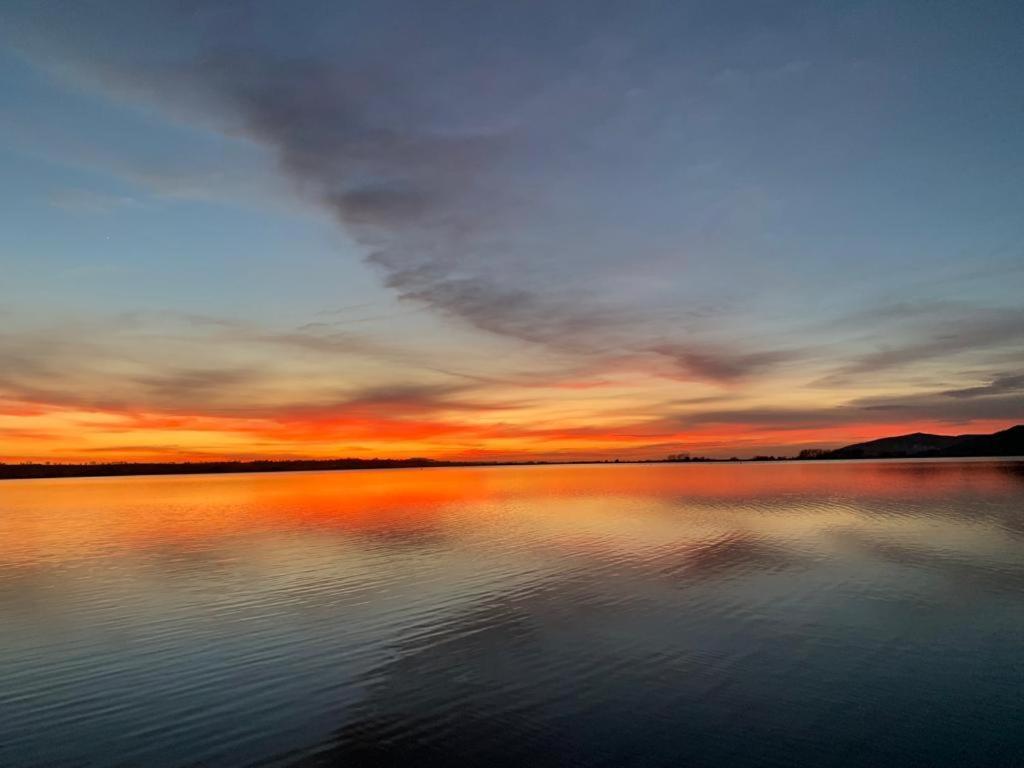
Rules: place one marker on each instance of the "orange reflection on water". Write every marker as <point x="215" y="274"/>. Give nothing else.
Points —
<point x="57" y="520"/>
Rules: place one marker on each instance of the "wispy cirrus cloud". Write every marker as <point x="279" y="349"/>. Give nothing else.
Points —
<point x="935" y="332"/>
<point x="1003" y="384"/>
<point x="82" y="200"/>
<point x="1001" y="400"/>
<point x="446" y="196"/>
<point x="723" y="365"/>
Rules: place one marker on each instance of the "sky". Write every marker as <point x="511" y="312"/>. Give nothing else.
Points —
<point x="490" y="230"/>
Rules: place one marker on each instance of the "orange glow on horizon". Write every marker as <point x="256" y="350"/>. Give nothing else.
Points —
<point x="38" y="432"/>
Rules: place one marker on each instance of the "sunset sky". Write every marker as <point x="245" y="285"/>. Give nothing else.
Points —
<point x="506" y="229"/>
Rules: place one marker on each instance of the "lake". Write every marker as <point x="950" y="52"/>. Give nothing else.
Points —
<point x="776" y="614"/>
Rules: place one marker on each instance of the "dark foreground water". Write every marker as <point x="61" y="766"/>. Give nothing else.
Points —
<point x="819" y="614"/>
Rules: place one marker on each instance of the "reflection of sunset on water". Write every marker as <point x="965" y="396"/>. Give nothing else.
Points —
<point x="58" y="519"/>
<point x="346" y="612"/>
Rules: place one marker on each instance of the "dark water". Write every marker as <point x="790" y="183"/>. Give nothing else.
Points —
<point x="820" y="614"/>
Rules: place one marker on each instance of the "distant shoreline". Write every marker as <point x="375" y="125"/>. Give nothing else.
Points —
<point x="168" y="469"/>
<point x="31" y="471"/>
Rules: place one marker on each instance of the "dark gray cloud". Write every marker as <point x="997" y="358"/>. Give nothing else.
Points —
<point x="201" y="386"/>
<point x="189" y="363"/>
<point x="396" y="401"/>
<point x="1004" y="384"/>
<point x="404" y="395"/>
<point x="777" y="418"/>
<point x="723" y="365"/>
<point x="936" y="332"/>
<point x="510" y="311"/>
<point x="428" y="206"/>
<point x="330" y="339"/>
<point x="948" y="406"/>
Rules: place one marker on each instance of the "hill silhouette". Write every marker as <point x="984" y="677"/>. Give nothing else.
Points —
<point x="920" y="445"/>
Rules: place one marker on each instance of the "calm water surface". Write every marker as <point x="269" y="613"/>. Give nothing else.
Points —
<point x="819" y="614"/>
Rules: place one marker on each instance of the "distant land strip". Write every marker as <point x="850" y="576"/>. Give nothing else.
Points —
<point x="125" y="468"/>
<point x="1007" y="443"/>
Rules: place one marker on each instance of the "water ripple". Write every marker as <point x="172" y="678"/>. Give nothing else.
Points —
<point x="823" y="614"/>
